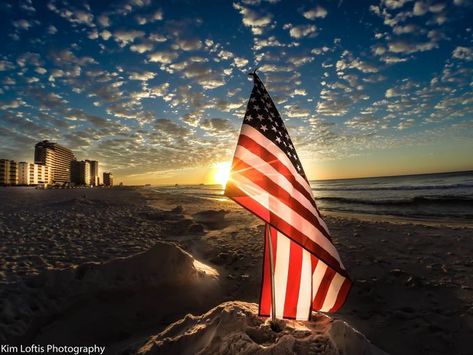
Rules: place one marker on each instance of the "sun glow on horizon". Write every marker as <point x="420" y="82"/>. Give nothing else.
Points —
<point x="221" y="173"/>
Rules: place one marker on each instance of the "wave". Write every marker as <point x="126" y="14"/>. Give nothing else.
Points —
<point x="393" y="188"/>
<point x="419" y="200"/>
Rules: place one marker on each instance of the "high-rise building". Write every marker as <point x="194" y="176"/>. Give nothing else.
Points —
<point x="4" y="172"/>
<point x="57" y="157"/>
<point x="8" y="172"/>
<point x="24" y="177"/>
<point x="44" y="174"/>
<point x="94" y="172"/>
<point x="33" y="174"/>
<point x="33" y="171"/>
<point x="80" y="172"/>
<point x="13" y="172"/>
<point x="108" y="179"/>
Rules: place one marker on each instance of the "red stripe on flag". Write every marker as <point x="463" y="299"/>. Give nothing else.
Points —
<point x="293" y="281"/>
<point x="265" y="298"/>
<point x="342" y="295"/>
<point x="323" y="289"/>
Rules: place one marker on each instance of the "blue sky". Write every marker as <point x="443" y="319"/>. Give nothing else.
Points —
<point x="156" y="90"/>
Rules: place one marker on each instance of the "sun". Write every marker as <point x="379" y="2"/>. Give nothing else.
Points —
<point x="221" y="173"/>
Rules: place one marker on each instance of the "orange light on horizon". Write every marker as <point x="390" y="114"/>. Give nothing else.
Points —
<point x="221" y="173"/>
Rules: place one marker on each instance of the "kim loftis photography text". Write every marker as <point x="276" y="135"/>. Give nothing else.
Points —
<point x="51" y="349"/>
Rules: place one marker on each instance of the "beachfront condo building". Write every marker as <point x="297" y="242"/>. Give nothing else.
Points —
<point x="4" y="172"/>
<point x="80" y="172"/>
<point x="24" y="177"/>
<point x="13" y="172"/>
<point x="107" y="179"/>
<point x="34" y="174"/>
<point x="94" y="172"/>
<point x="56" y="156"/>
<point x="8" y="172"/>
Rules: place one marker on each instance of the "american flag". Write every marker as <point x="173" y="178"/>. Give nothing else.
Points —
<point x="267" y="178"/>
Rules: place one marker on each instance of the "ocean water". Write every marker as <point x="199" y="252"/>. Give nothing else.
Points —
<point x="427" y="196"/>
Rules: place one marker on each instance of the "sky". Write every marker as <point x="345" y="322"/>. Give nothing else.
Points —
<point x="156" y="90"/>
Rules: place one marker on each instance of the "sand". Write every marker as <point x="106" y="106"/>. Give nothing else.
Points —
<point x="234" y="328"/>
<point x="412" y="294"/>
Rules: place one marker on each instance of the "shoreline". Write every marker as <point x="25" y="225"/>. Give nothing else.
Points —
<point x="366" y="217"/>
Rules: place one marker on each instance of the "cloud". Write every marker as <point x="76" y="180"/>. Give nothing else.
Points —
<point x="463" y="53"/>
<point x="166" y="126"/>
<point x="363" y="123"/>
<point x="82" y="17"/>
<point x="104" y="20"/>
<point x="301" y="30"/>
<point x="253" y="19"/>
<point x="15" y="103"/>
<point x="157" y="37"/>
<point x="317" y="12"/>
<point x="188" y="44"/>
<point x="203" y="74"/>
<point x="74" y="16"/>
<point x="6" y="65"/>
<point x="142" y="47"/>
<point x="164" y="57"/>
<point x="52" y="29"/>
<point x="395" y="4"/>
<point x="402" y="46"/>
<point x="406" y="123"/>
<point x="144" y="19"/>
<point x="267" y="42"/>
<point x="142" y="76"/>
<point x="22" y="24"/>
<point x="216" y="125"/>
<point x="420" y="8"/>
<point x="105" y="34"/>
<point x="296" y="111"/>
<point x="124" y="37"/>
<point x="357" y="64"/>
<point x="405" y="29"/>
<point x="47" y="100"/>
<point x="463" y="2"/>
<point x="66" y="56"/>
<point x="29" y="58"/>
<point x="391" y="59"/>
<point x="240" y="62"/>
<point x="41" y="70"/>
<point x="390" y="93"/>
<point x="437" y="7"/>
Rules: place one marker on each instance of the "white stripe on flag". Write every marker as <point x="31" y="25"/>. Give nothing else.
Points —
<point x="317" y="277"/>
<point x="332" y="293"/>
<point x="281" y="272"/>
<point x="304" y="303"/>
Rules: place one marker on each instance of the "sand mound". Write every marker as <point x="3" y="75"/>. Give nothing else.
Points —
<point x="234" y="328"/>
<point x="131" y="284"/>
<point x="212" y="219"/>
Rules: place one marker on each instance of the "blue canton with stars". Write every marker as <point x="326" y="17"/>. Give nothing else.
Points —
<point x="261" y="114"/>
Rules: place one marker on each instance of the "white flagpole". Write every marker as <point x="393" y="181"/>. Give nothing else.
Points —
<point x="271" y="263"/>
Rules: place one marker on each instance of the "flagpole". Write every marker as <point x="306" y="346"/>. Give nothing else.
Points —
<point x="271" y="267"/>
